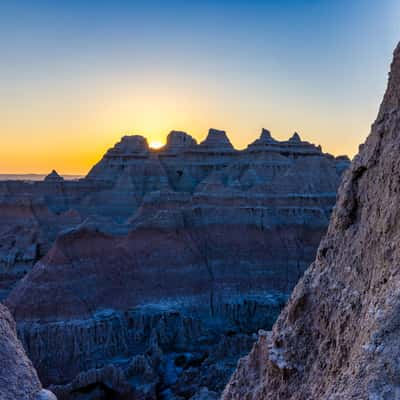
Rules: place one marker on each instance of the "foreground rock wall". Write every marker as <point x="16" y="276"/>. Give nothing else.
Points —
<point x="18" y="378"/>
<point x="338" y="337"/>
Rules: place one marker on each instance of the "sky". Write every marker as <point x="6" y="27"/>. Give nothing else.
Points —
<point x="76" y="75"/>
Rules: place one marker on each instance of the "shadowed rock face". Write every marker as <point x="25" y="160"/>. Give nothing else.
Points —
<point x="179" y="141"/>
<point x="18" y="378"/>
<point x="338" y="337"/>
<point x="217" y="140"/>
<point x="178" y="257"/>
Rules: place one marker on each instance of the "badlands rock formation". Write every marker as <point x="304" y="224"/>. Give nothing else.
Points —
<point x="32" y="214"/>
<point x="18" y="378"/>
<point x="164" y="263"/>
<point x="338" y="337"/>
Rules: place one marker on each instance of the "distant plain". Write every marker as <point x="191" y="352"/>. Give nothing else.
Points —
<point x="33" y="177"/>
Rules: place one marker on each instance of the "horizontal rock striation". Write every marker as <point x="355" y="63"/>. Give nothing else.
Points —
<point x="338" y="337"/>
<point x="32" y="214"/>
<point x="165" y="262"/>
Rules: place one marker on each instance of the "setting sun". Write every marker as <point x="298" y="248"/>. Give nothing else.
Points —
<point x="156" y="144"/>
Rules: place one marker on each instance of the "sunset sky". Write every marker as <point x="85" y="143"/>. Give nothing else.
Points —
<point x="76" y="75"/>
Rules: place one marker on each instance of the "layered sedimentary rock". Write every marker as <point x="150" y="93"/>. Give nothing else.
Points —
<point x="178" y="141"/>
<point x="338" y="337"/>
<point x="31" y="216"/>
<point x="33" y="213"/>
<point x="18" y="378"/>
<point x="177" y="257"/>
<point x="216" y="140"/>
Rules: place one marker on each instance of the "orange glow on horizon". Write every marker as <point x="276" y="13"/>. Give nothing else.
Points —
<point x="71" y="137"/>
<point x="76" y="154"/>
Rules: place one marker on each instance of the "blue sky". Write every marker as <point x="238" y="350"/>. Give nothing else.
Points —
<point x="76" y="75"/>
